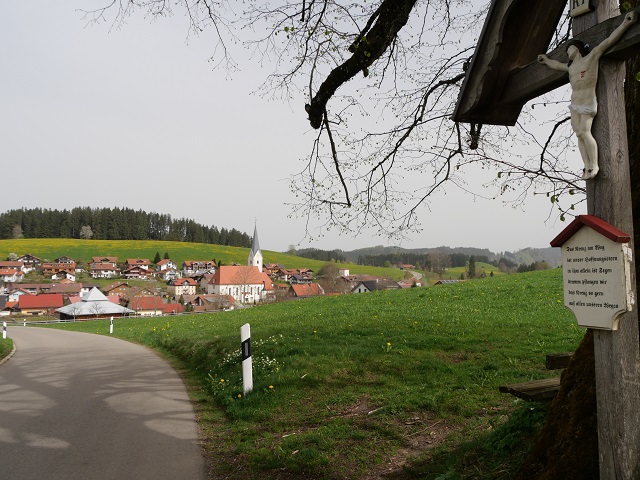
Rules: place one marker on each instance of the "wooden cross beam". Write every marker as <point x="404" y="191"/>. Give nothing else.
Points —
<point x="494" y="92"/>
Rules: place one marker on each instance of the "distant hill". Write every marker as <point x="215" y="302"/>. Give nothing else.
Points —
<point x="524" y="256"/>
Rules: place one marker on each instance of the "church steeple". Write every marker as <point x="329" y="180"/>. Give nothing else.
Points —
<point x="255" y="255"/>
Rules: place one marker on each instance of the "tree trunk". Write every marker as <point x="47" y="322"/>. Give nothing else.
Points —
<point x="567" y="447"/>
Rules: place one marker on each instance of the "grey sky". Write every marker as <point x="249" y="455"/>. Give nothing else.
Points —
<point x="137" y="117"/>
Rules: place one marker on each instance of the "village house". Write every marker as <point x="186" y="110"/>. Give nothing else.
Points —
<point x="113" y="261"/>
<point x="31" y="262"/>
<point x="203" y="281"/>
<point x="374" y="285"/>
<point x="104" y="270"/>
<point x="33" y="288"/>
<point x="65" y="259"/>
<point x="67" y="290"/>
<point x="146" y="306"/>
<point x="15" y="294"/>
<point x="406" y="266"/>
<point x="49" y="269"/>
<point x="166" y="264"/>
<point x="37" y="305"/>
<point x="172" y="308"/>
<point x="143" y="263"/>
<point x="11" y="275"/>
<point x="181" y="286"/>
<point x="193" y="267"/>
<point x="143" y="292"/>
<point x="13" y="265"/>
<point x="9" y="308"/>
<point x="208" y="302"/>
<point x="271" y="269"/>
<point x="305" y="290"/>
<point x="137" y="272"/>
<point x="301" y="279"/>
<point x="409" y="283"/>
<point x="117" y="289"/>
<point x="64" y="275"/>
<point x="168" y="274"/>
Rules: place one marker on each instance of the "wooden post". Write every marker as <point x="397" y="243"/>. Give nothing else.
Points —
<point x="247" y="365"/>
<point x="617" y="354"/>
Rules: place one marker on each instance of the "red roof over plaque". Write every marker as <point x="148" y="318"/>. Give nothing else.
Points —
<point x="597" y="224"/>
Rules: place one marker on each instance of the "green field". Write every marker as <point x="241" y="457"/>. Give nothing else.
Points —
<point x="403" y="383"/>
<point x="454" y="273"/>
<point x="83" y="250"/>
<point x="6" y="345"/>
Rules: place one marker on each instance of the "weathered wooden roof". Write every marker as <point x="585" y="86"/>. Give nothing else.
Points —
<point x="504" y="73"/>
<point x="514" y="34"/>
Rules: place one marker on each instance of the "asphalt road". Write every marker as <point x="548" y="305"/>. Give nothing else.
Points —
<point x="90" y="407"/>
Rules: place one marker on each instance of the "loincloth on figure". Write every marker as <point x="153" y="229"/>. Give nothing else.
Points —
<point x="591" y="109"/>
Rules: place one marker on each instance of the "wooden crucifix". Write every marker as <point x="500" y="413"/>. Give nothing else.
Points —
<point x="502" y="76"/>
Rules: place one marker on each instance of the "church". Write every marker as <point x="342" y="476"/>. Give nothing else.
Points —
<point x="247" y="284"/>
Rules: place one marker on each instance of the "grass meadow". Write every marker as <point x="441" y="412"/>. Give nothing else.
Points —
<point x="83" y="250"/>
<point x="394" y="384"/>
<point x="6" y="345"/>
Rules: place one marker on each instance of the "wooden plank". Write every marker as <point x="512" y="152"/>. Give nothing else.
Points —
<point x="617" y="355"/>
<point x="535" y="390"/>
<point x="557" y="361"/>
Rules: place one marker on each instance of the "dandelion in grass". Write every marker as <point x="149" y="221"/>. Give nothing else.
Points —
<point x="388" y="349"/>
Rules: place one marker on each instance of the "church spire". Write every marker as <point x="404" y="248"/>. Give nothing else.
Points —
<point x="255" y="255"/>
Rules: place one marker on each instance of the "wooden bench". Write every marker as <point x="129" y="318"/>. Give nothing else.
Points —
<point x="537" y="390"/>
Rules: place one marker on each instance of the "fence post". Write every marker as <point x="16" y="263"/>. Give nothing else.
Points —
<point x="247" y="368"/>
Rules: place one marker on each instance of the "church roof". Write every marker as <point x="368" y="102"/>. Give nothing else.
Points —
<point x="241" y="275"/>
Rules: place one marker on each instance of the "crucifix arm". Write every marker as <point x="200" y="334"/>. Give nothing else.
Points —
<point x="629" y="19"/>
<point x="553" y="64"/>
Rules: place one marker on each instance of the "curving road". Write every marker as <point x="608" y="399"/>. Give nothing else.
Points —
<point x="90" y="407"/>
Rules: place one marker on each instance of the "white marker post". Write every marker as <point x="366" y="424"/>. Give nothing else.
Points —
<point x="111" y="326"/>
<point x="247" y="367"/>
<point x="4" y="330"/>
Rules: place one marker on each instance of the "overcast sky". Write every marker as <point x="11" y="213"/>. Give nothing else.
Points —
<point x="137" y="117"/>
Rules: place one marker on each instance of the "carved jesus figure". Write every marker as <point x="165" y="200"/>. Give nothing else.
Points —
<point x="583" y="76"/>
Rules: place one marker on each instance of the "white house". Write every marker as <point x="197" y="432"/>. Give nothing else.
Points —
<point x="11" y="275"/>
<point x="104" y="270"/>
<point x="168" y="274"/>
<point x="166" y="264"/>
